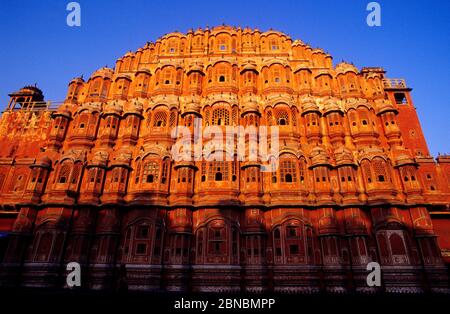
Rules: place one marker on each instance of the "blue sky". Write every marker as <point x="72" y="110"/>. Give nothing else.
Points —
<point x="413" y="42"/>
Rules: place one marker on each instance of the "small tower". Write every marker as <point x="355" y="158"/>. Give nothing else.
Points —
<point x="399" y="94"/>
<point x="28" y="97"/>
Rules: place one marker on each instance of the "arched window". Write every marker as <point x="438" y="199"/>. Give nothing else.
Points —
<point x="383" y="245"/>
<point x="200" y="243"/>
<point x="150" y="172"/>
<point x="167" y="75"/>
<point x="44" y="246"/>
<point x="217" y="240"/>
<point x="379" y="166"/>
<point x="221" y="116"/>
<point x="302" y="170"/>
<point x="365" y="165"/>
<point x="142" y="242"/>
<point x="397" y="245"/>
<point x="282" y="117"/>
<point x="64" y="173"/>
<point x="291" y="248"/>
<point x="218" y="171"/>
<point x="137" y="172"/>
<point x="288" y="170"/>
<point x="165" y="171"/>
<point x="172" y="119"/>
<point x="160" y="119"/>
<point x="75" y="178"/>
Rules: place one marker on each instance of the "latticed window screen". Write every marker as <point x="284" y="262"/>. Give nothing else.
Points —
<point x="188" y="121"/>
<point x="115" y="175"/>
<point x="182" y="174"/>
<point x="76" y="173"/>
<point x="91" y="175"/>
<point x="167" y="76"/>
<point x="221" y="116"/>
<point x="251" y="120"/>
<point x="207" y="115"/>
<point x="173" y="46"/>
<point x="234" y="73"/>
<point x="138" y="171"/>
<point x="367" y="170"/>
<point x="222" y="44"/>
<point x="294" y="117"/>
<point x="149" y="119"/>
<point x="252" y="174"/>
<point x="282" y="117"/>
<point x="95" y="88"/>
<point x="288" y="171"/>
<point x="172" y="119"/>
<point x="151" y="172"/>
<point x="269" y="117"/>
<point x="302" y="170"/>
<point x="160" y="119"/>
<point x="288" y="77"/>
<point x="218" y="171"/>
<point x="235" y="115"/>
<point x="164" y="172"/>
<point x="203" y="178"/>
<point x="216" y="241"/>
<point x="379" y="167"/>
<point x="276" y="75"/>
<point x="266" y="77"/>
<point x="179" y="76"/>
<point x="222" y="74"/>
<point x="274" y="44"/>
<point x="64" y="174"/>
<point x="234" y="171"/>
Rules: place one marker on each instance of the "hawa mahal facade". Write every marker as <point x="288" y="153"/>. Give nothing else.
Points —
<point x="92" y="180"/>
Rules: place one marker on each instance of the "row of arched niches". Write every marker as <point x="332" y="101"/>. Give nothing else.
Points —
<point x="227" y="60"/>
<point x="274" y="75"/>
<point x="329" y="151"/>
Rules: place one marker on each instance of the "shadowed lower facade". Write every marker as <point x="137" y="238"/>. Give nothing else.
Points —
<point x="93" y="179"/>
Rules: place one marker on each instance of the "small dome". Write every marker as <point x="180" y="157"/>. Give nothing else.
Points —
<point x="77" y="80"/>
<point x="249" y="66"/>
<point x="103" y="72"/>
<point x="29" y="90"/>
<point x="385" y="106"/>
<point x="192" y="106"/>
<point x="100" y="158"/>
<point x="195" y="68"/>
<point x="404" y="157"/>
<point x="113" y="107"/>
<point x="319" y="156"/>
<point x="345" y="67"/>
<point x="309" y="105"/>
<point x="44" y="162"/>
<point x="343" y="156"/>
<point x="298" y="42"/>
<point x="330" y="105"/>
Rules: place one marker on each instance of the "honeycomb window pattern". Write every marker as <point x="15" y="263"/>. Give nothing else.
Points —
<point x="288" y="171"/>
<point x="221" y="116"/>
<point x="151" y="172"/>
